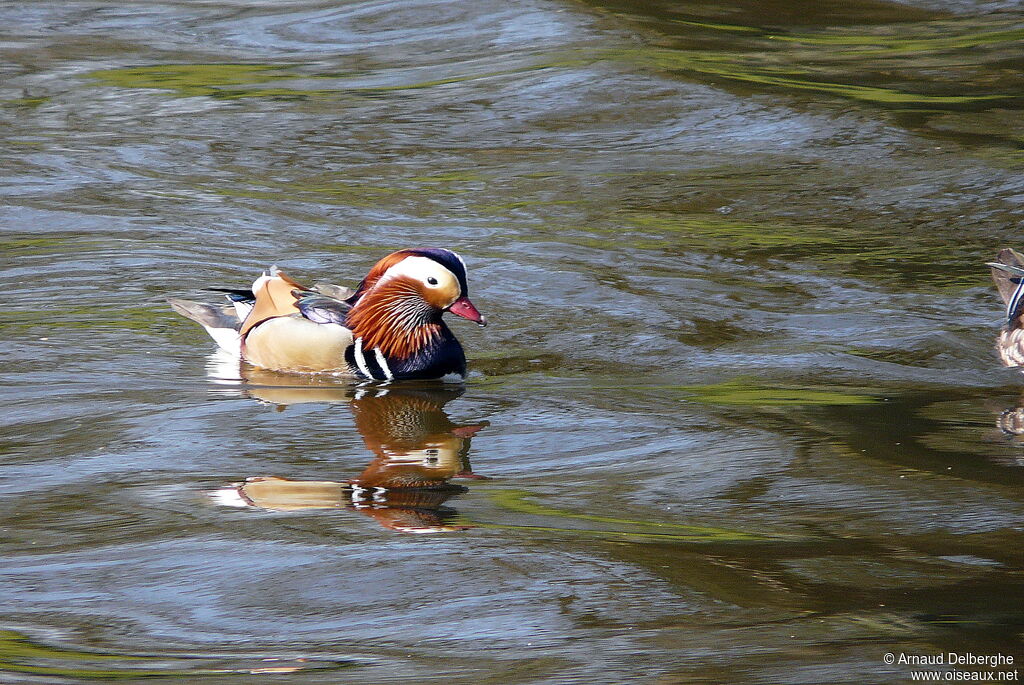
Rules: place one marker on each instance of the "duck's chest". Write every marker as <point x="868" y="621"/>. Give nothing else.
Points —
<point x="441" y="358"/>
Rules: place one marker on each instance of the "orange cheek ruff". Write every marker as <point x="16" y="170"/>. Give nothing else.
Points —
<point x="381" y="267"/>
<point x="395" y="318"/>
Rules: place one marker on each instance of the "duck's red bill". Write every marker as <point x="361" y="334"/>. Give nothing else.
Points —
<point x="464" y="308"/>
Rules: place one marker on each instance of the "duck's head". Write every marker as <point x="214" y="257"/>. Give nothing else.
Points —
<point x="1008" y="274"/>
<point x="409" y="290"/>
<point x="436" y="275"/>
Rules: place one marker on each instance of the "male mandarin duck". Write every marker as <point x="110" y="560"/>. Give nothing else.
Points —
<point x="389" y="328"/>
<point x="1008" y="274"/>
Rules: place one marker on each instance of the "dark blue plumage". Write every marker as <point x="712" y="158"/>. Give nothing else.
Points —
<point x="443" y="356"/>
<point x="1016" y="302"/>
<point x="237" y="294"/>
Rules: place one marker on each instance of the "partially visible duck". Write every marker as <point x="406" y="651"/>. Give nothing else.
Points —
<point x="389" y="328"/>
<point x="1008" y="274"/>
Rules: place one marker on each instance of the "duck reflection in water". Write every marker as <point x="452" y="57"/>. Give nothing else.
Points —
<point x="417" y="451"/>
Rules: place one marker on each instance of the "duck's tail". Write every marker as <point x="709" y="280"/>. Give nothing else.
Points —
<point x="227" y="324"/>
<point x="220" y="321"/>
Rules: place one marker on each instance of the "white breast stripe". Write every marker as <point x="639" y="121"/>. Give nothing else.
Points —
<point x="383" y="364"/>
<point x="1011" y="306"/>
<point x="360" y="359"/>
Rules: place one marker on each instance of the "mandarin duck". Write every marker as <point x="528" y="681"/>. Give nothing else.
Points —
<point x="1008" y="274"/>
<point x="389" y="328"/>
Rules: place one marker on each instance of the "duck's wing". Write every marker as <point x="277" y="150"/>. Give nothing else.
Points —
<point x="321" y="308"/>
<point x="278" y="324"/>
<point x="338" y="292"/>
<point x="226" y="324"/>
<point x="272" y="293"/>
<point x="324" y="303"/>
<point x="291" y="328"/>
<point x="1008" y="275"/>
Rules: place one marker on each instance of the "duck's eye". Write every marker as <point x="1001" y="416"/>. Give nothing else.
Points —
<point x="431" y="280"/>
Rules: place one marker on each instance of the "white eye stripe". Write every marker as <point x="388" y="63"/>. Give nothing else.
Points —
<point x="421" y="269"/>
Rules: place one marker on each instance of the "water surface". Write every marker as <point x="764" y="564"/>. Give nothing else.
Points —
<point x="738" y="411"/>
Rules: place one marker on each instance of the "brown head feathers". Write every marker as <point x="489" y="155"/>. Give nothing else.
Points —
<point x="394" y="317"/>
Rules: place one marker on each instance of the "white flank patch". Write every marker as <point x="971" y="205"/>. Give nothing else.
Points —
<point x="242" y="309"/>
<point x="228" y="497"/>
<point x="227" y="339"/>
